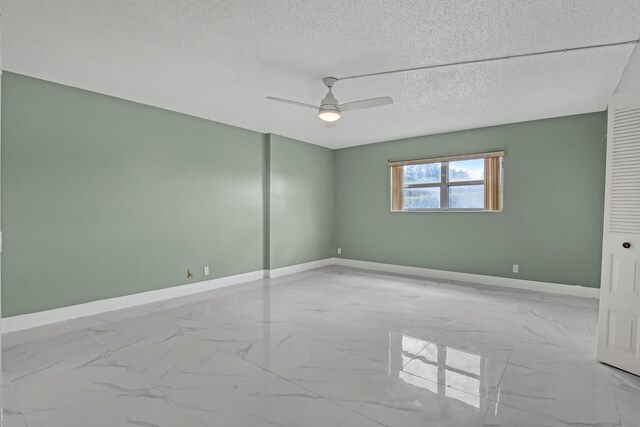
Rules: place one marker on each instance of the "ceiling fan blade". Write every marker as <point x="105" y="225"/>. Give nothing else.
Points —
<point x="288" y="101"/>
<point x="366" y="103"/>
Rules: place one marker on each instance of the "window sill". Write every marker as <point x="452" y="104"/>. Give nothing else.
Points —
<point x="445" y="210"/>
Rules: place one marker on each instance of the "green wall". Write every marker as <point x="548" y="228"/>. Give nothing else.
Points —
<point x="103" y="197"/>
<point x="301" y="203"/>
<point x="553" y="204"/>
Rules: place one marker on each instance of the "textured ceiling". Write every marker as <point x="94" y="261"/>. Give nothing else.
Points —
<point x="219" y="59"/>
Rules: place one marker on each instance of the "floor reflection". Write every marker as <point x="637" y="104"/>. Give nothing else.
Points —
<point x="441" y="369"/>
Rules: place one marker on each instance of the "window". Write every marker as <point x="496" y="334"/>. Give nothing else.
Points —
<point x="458" y="183"/>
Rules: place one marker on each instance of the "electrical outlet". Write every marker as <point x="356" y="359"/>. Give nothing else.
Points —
<point x="206" y="271"/>
<point x="339" y="251"/>
<point x="189" y="273"/>
<point x="516" y="268"/>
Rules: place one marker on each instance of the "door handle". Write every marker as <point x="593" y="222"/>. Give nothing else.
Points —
<point x="626" y="245"/>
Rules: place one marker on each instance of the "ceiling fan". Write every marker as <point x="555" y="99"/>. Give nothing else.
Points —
<point x="330" y="110"/>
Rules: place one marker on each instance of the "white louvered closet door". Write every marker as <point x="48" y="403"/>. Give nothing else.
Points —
<point x="619" y="319"/>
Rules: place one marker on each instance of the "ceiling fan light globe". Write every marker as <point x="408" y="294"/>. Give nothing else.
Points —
<point x="329" y="115"/>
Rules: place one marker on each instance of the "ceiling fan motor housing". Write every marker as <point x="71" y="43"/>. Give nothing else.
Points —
<point x="329" y="102"/>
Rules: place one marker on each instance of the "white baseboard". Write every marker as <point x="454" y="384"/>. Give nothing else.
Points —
<point x="41" y="318"/>
<point x="505" y="282"/>
<point x="298" y="268"/>
<point x="32" y="320"/>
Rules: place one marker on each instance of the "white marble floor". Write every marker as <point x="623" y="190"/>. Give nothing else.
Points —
<point x="329" y="347"/>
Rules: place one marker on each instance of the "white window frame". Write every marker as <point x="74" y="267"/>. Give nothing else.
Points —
<point x="445" y="184"/>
